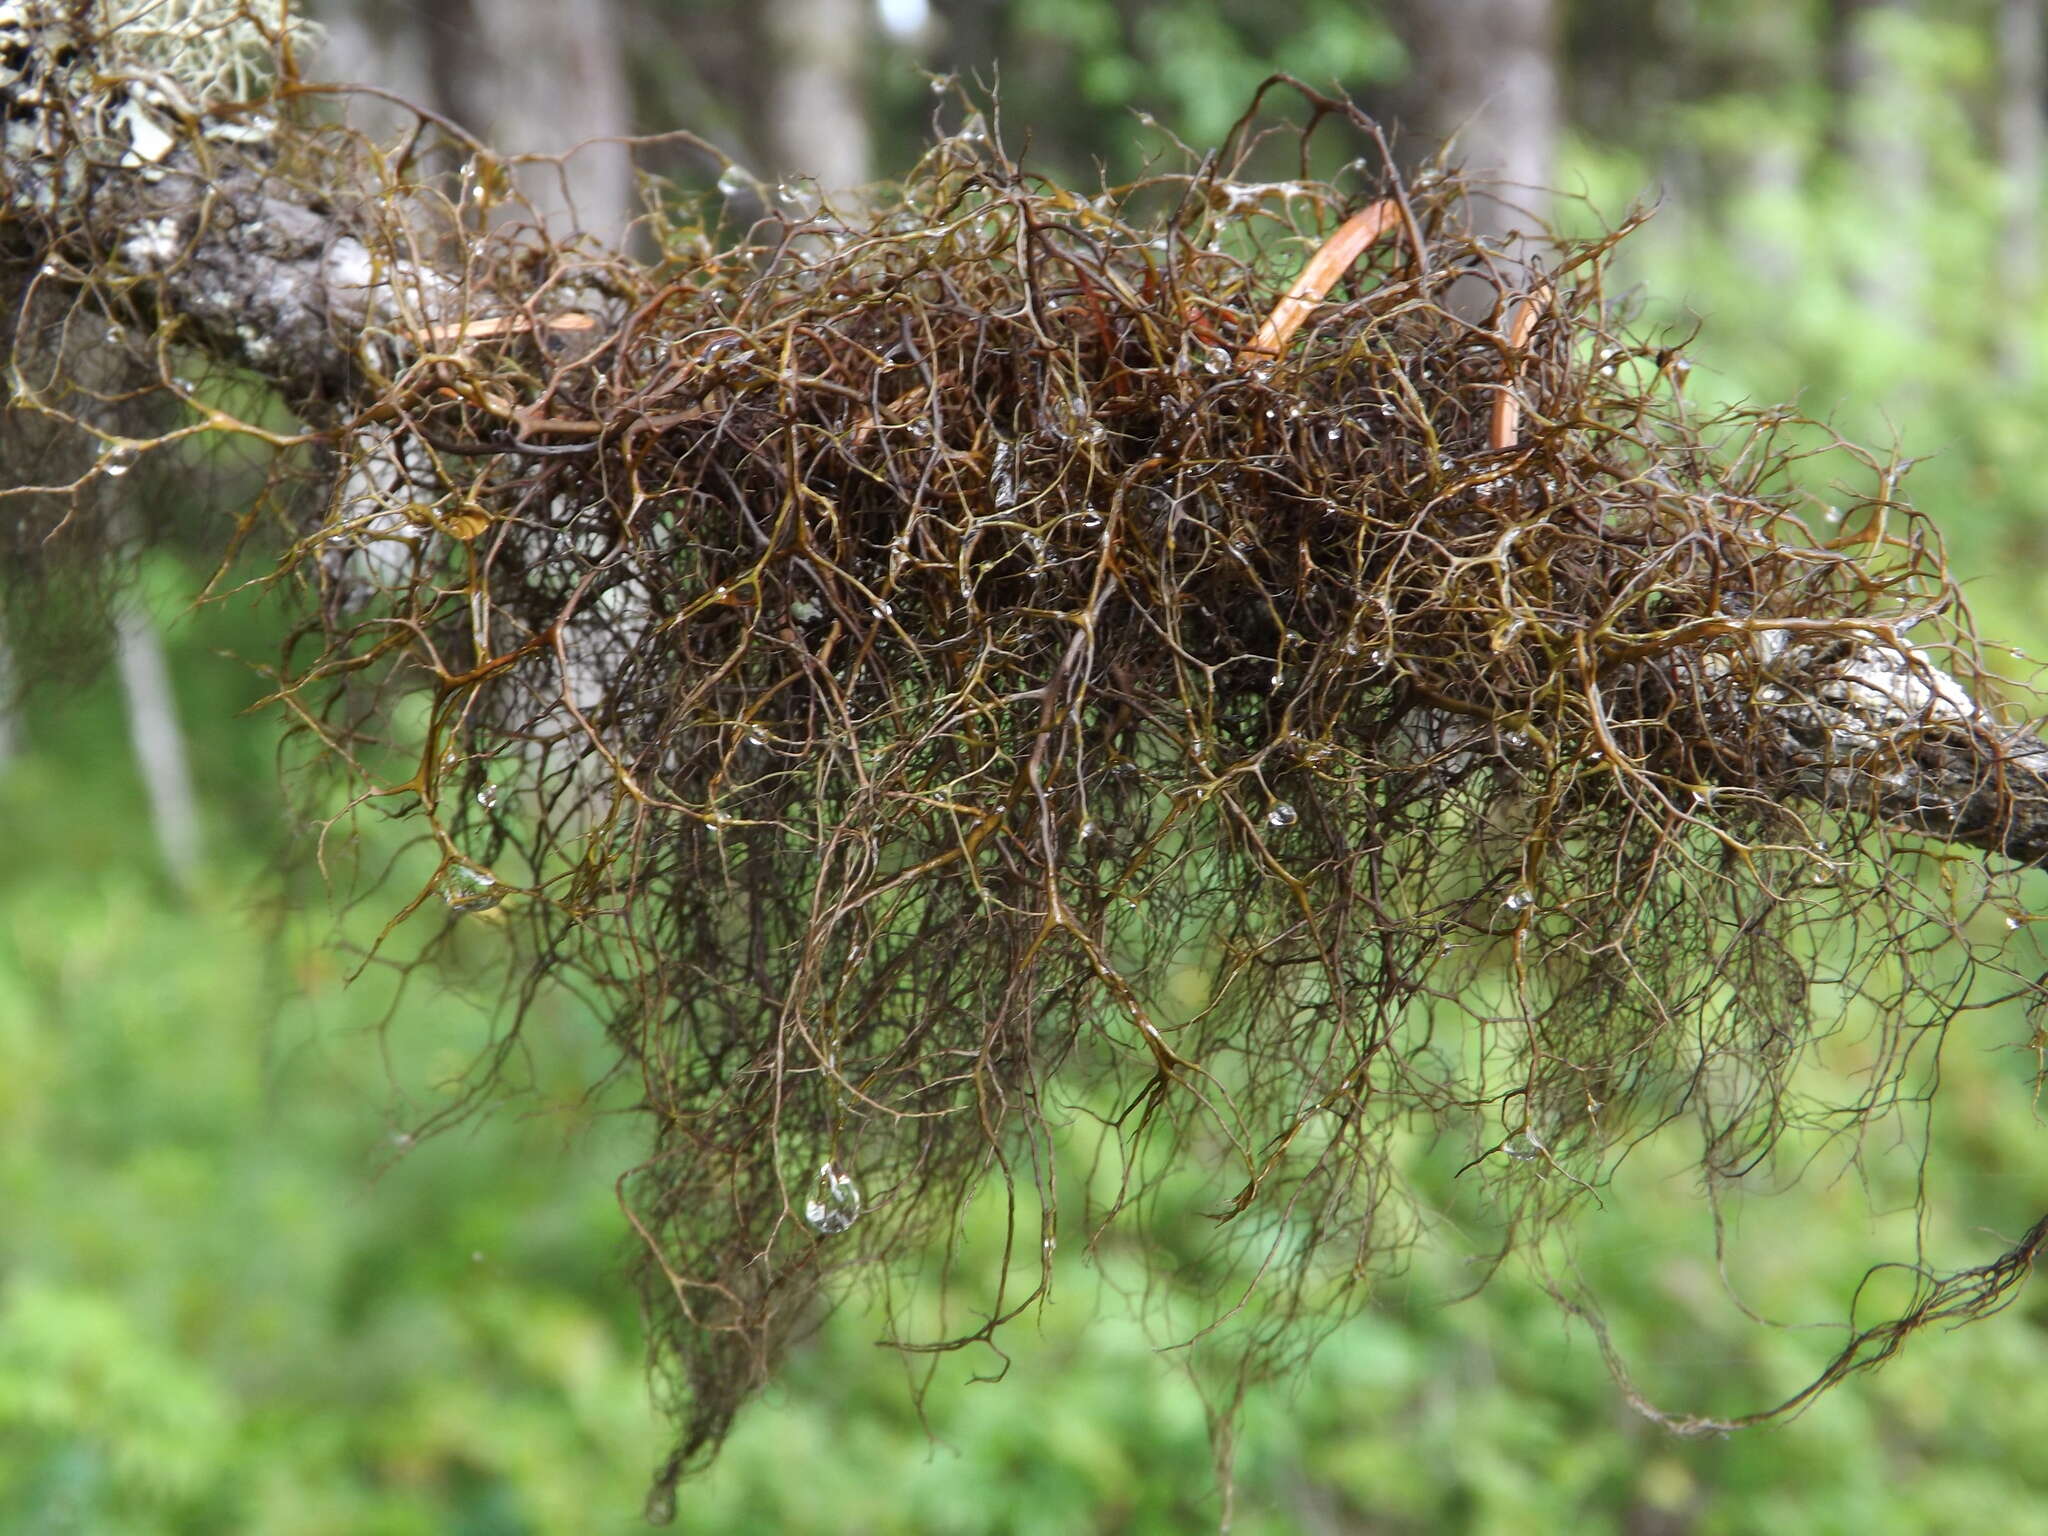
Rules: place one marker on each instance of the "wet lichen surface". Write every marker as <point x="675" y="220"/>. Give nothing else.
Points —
<point x="938" y="672"/>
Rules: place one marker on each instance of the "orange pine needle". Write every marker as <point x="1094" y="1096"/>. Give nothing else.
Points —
<point x="1353" y="238"/>
<point x="504" y="325"/>
<point x="1506" y="430"/>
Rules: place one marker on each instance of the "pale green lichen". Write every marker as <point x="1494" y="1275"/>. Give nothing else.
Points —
<point x="216" y="51"/>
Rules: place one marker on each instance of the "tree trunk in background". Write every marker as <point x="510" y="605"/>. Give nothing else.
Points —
<point x="1774" y="174"/>
<point x="1879" y="131"/>
<point x="972" y="32"/>
<point x="812" y="76"/>
<point x="525" y="76"/>
<point x="157" y="740"/>
<point x="1485" y="74"/>
<point x="10" y="723"/>
<point x="2019" y="158"/>
<point x="380" y="43"/>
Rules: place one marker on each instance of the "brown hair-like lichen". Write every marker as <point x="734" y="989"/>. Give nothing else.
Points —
<point x="937" y="671"/>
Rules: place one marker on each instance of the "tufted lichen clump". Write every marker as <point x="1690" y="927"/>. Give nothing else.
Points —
<point x="1010" y="660"/>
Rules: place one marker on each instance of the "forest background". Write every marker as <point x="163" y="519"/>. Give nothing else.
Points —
<point x="235" y="1296"/>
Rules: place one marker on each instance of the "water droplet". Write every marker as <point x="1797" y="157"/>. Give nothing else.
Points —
<point x="1282" y="815"/>
<point x="1770" y="694"/>
<point x="487" y="796"/>
<point x="733" y="180"/>
<point x="1523" y="1147"/>
<point x="466" y="888"/>
<point x="1331" y="434"/>
<point x="2011" y="921"/>
<point x="1834" y="514"/>
<point x="1520" y="899"/>
<point x="1278" y="679"/>
<point x="116" y="462"/>
<point x="1089" y="829"/>
<point x="939" y="86"/>
<point x="883" y="610"/>
<point x="835" y="1202"/>
<point x="114" y="336"/>
<point x="1091" y="519"/>
<point x="1217" y="360"/>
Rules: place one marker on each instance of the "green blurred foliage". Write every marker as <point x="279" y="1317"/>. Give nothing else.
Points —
<point x="236" y="1296"/>
<point x="1876" y="297"/>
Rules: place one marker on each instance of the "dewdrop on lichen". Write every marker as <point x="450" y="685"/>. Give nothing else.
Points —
<point x="834" y="1204"/>
<point x="1520" y="899"/>
<point x="1523" y="1147"/>
<point x="1282" y="815"/>
<point x="466" y="888"/>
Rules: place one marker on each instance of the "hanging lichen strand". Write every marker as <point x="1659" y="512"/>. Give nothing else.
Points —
<point x="961" y="679"/>
<point x="1012" y="658"/>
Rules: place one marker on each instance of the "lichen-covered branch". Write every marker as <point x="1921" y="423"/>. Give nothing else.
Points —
<point x="130" y="157"/>
<point x="128" y="163"/>
<point x="929" y="672"/>
<point x="1879" y="721"/>
<point x="145" y="156"/>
